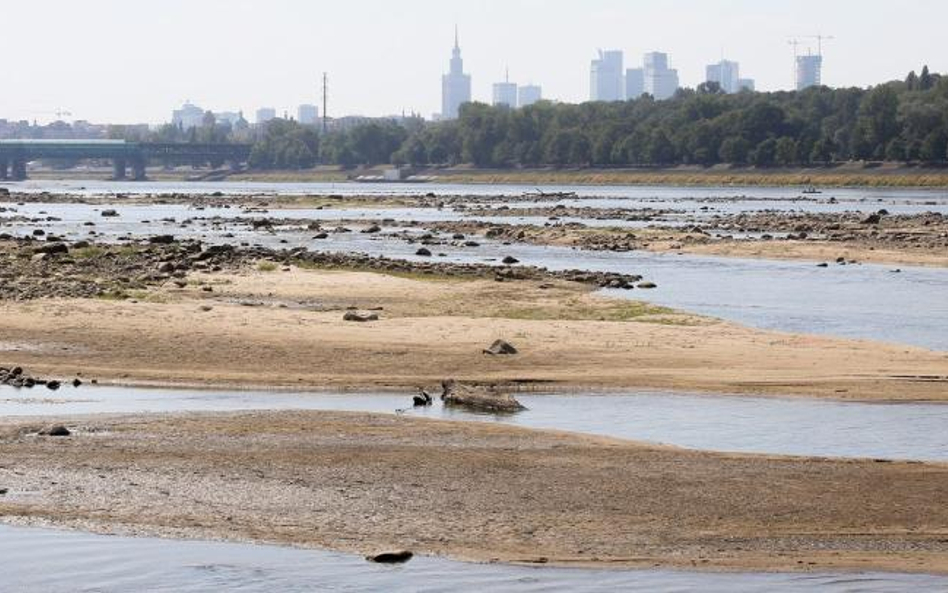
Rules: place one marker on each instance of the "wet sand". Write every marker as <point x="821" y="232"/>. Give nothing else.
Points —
<point x="360" y="483"/>
<point x="286" y="329"/>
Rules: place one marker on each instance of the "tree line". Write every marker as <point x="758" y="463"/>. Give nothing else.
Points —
<point x="903" y="121"/>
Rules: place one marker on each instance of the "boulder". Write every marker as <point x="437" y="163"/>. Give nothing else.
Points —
<point x="510" y="260"/>
<point x="360" y="316"/>
<point x="56" y="430"/>
<point x="391" y="557"/>
<point x="109" y="213"/>
<point x="500" y="348"/>
<point x="483" y="399"/>
<point x="423" y="252"/>
<point x="161" y="239"/>
<point x="52" y="248"/>
<point x="423" y="399"/>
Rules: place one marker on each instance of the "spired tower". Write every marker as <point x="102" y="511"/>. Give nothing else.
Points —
<point x="456" y="85"/>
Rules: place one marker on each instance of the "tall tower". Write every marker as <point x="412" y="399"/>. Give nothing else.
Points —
<point x="456" y="85"/>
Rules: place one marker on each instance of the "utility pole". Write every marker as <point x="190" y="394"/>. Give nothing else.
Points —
<point x="325" y="102"/>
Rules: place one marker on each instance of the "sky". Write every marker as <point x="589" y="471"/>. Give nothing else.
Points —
<point x="119" y="61"/>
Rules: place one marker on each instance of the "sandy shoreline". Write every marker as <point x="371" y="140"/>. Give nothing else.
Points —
<point x="358" y="483"/>
<point x="286" y="329"/>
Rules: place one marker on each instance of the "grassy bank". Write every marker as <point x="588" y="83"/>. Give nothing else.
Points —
<point x="848" y="175"/>
<point x="854" y="175"/>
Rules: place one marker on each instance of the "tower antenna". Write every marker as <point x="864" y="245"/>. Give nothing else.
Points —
<point x="325" y="102"/>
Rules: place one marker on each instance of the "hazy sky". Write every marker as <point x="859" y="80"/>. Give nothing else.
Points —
<point x="134" y="61"/>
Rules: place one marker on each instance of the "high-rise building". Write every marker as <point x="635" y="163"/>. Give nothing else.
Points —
<point x="456" y="85"/>
<point x="529" y="94"/>
<point x="308" y="115"/>
<point x="265" y="114"/>
<point x="660" y="81"/>
<point x="809" y="71"/>
<point x="746" y="84"/>
<point x="505" y="93"/>
<point x="727" y="74"/>
<point x="189" y="116"/>
<point x="634" y="83"/>
<point x="606" y="77"/>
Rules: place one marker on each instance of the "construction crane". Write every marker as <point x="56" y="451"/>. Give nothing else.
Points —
<point x="819" y="42"/>
<point x="58" y="112"/>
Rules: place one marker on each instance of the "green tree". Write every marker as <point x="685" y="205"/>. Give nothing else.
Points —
<point x="786" y="152"/>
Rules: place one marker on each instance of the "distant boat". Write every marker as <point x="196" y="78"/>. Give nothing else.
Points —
<point x="811" y="190"/>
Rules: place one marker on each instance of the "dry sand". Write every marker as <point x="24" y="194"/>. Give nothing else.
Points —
<point x="294" y="336"/>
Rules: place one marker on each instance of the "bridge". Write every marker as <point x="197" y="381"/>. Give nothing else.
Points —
<point x="15" y="154"/>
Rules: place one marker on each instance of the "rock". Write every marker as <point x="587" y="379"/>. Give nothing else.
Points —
<point x="646" y="285"/>
<point x="360" y="317"/>
<point x="57" y="430"/>
<point x="109" y="213"/>
<point x="161" y="240"/>
<point x="321" y="236"/>
<point x="76" y="382"/>
<point x="423" y="252"/>
<point x="372" y="230"/>
<point x="391" y="557"/>
<point x="500" y="348"/>
<point x="485" y="399"/>
<point x="510" y="260"/>
<point x="53" y="385"/>
<point x="422" y="399"/>
<point x="822" y="265"/>
<point x="3" y="491"/>
<point x="52" y="248"/>
<point x="872" y="219"/>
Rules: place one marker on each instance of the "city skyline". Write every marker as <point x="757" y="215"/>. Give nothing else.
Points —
<point x="383" y="61"/>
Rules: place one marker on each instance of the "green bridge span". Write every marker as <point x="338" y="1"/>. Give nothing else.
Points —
<point x="15" y="154"/>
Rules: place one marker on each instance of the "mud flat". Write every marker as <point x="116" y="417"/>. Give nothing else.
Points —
<point x="360" y="483"/>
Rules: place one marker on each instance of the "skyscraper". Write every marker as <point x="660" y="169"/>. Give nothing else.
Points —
<point x="308" y="115"/>
<point x="727" y="74"/>
<point x="456" y="85"/>
<point x="634" y="83"/>
<point x="809" y="71"/>
<point x="660" y="81"/>
<point x="265" y="114"/>
<point x="505" y="93"/>
<point x="529" y="94"/>
<point x="606" y="77"/>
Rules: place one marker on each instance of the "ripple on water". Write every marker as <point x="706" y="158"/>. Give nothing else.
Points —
<point x="45" y="560"/>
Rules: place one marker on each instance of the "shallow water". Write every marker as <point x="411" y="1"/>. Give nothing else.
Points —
<point x="715" y="423"/>
<point x="643" y="192"/>
<point x="858" y="301"/>
<point x="52" y="560"/>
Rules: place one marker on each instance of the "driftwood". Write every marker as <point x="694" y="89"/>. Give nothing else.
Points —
<point x="486" y="399"/>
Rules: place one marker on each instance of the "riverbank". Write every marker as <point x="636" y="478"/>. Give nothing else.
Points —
<point x="845" y="175"/>
<point x="257" y="321"/>
<point x="855" y="175"/>
<point x="474" y="491"/>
